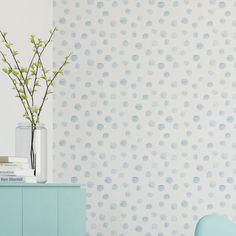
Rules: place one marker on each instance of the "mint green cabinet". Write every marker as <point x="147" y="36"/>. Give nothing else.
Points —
<point x="42" y="210"/>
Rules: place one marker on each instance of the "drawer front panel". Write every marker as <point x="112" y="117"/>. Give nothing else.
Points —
<point x="39" y="211"/>
<point x="10" y="211"/>
<point x="71" y="212"/>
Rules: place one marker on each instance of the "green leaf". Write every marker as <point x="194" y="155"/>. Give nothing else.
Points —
<point x="14" y="53"/>
<point x="16" y="73"/>
<point x="32" y="38"/>
<point x="8" y="45"/>
<point x="49" y="80"/>
<point x="60" y="72"/>
<point x="5" y="70"/>
<point x="26" y="116"/>
<point x="24" y="97"/>
<point x="37" y="121"/>
<point x="54" y="72"/>
<point x="23" y="70"/>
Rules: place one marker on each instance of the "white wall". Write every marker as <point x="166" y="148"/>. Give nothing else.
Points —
<point x="21" y="19"/>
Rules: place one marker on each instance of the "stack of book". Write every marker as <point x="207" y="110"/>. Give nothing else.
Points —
<point x="16" y="169"/>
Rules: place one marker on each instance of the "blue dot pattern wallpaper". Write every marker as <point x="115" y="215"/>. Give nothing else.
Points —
<point x="144" y="116"/>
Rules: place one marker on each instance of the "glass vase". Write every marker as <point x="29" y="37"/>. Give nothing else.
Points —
<point x="31" y="142"/>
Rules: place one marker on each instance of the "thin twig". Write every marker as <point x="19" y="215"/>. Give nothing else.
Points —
<point x="15" y="60"/>
<point x="14" y="83"/>
<point x="39" y="54"/>
<point x="44" y="47"/>
<point x="50" y="83"/>
<point x="9" y="65"/>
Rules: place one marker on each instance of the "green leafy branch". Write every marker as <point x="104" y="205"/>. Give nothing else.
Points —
<point x="27" y="79"/>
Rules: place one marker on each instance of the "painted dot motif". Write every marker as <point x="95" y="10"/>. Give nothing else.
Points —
<point x="145" y="114"/>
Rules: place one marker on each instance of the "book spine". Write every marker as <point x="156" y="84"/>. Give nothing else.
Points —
<point x="14" y="168"/>
<point x="17" y="179"/>
<point x="9" y="164"/>
<point x="16" y="172"/>
<point x="8" y="159"/>
<point x="12" y="179"/>
<point x="2" y="172"/>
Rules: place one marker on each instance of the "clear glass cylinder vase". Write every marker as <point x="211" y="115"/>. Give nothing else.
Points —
<point x="31" y="142"/>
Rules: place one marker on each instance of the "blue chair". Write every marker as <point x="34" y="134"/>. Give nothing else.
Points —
<point x="214" y="225"/>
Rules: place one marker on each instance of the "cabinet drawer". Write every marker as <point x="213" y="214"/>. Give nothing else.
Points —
<point x="11" y="211"/>
<point x="39" y="211"/>
<point x="71" y="212"/>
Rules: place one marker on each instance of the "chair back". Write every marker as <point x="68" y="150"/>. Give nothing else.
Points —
<point x="214" y="225"/>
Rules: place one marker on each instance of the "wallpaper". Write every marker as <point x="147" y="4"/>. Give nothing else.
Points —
<point x="145" y="114"/>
